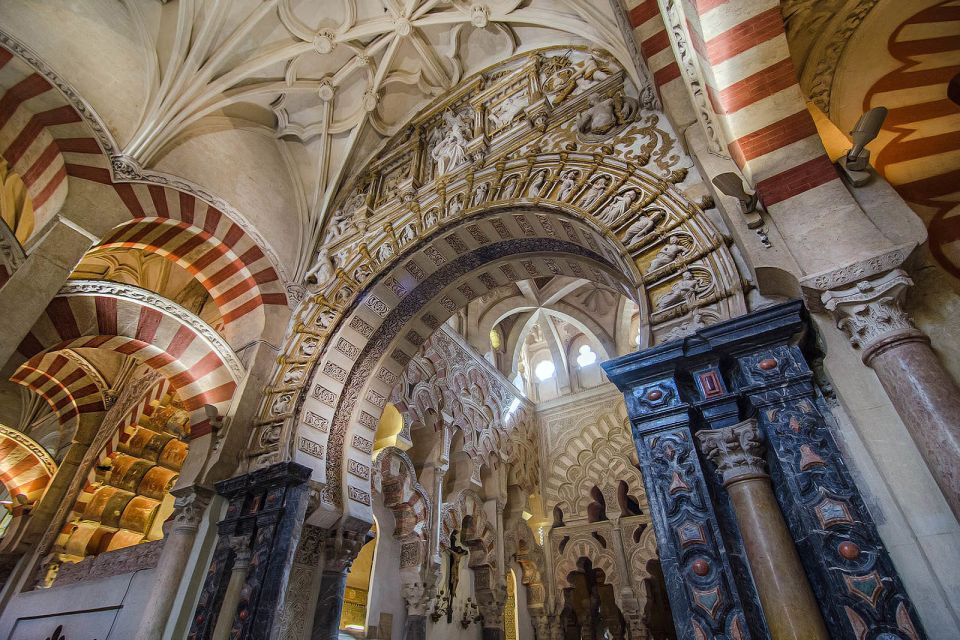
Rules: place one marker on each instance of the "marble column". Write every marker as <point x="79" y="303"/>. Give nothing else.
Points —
<point x="340" y="549"/>
<point x="190" y="505"/>
<point x="922" y="391"/>
<point x="785" y="595"/>
<point x="238" y="576"/>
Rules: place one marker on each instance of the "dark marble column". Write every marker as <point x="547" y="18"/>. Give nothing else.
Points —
<point x="267" y="507"/>
<point x="706" y="598"/>
<point x="340" y="547"/>
<point x="921" y="390"/>
<point x="754" y="366"/>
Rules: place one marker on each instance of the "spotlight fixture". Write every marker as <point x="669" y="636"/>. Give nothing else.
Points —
<point x="730" y="184"/>
<point x="856" y="162"/>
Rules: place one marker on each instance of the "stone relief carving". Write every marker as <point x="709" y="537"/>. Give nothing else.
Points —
<point x="667" y="254"/>
<point x="735" y="450"/>
<point x="451" y="150"/>
<point x="606" y="116"/>
<point x="322" y="271"/>
<point x="684" y="290"/>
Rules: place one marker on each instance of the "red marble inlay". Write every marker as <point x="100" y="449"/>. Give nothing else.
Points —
<point x="654" y="394"/>
<point x="849" y="550"/>
<point x="701" y="567"/>
<point x="768" y="363"/>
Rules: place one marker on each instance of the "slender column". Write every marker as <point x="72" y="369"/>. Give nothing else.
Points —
<point x="785" y="595"/>
<point x="189" y="507"/>
<point x="921" y="390"/>
<point x="238" y="576"/>
<point x="338" y="554"/>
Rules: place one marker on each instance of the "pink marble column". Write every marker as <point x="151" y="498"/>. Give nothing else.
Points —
<point x="921" y="390"/>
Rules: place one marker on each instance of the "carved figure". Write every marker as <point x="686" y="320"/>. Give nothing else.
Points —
<point x="293" y="375"/>
<point x="604" y="114"/>
<point x="667" y="254"/>
<point x="430" y="219"/>
<point x="568" y="183"/>
<point x="596" y="69"/>
<point x="385" y="252"/>
<point x="480" y="194"/>
<point x="325" y="317"/>
<point x="509" y="187"/>
<point x="686" y="328"/>
<point x="684" y="290"/>
<point x="455" y="206"/>
<point x="362" y="272"/>
<point x="596" y="190"/>
<point x="309" y="346"/>
<point x="536" y="185"/>
<point x="451" y="151"/>
<point x="506" y="111"/>
<point x="322" y="271"/>
<point x="620" y="205"/>
<point x="407" y="234"/>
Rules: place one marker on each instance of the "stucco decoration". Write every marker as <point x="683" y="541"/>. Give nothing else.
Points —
<point x="527" y="204"/>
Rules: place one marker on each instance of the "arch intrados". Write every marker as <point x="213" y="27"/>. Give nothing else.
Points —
<point x="409" y="311"/>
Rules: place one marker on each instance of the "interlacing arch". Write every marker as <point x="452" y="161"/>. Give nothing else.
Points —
<point x="408" y="501"/>
<point x="589" y="548"/>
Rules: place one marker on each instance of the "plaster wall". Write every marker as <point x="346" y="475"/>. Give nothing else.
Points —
<point x="106" y="609"/>
<point x="384" y="595"/>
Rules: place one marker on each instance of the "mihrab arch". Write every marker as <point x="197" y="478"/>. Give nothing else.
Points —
<point x="411" y="245"/>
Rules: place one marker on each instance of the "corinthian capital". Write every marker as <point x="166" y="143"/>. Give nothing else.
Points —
<point x="736" y="451"/>
<point x="189" y="505"/>
<point x="871" y="312"/>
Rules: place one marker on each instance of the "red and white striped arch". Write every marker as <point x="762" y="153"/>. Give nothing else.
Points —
<point x="47" y="142"/>
<point x="751" y="84"/>
<point x="64" y="384"/>
<point x="26" y="469"/>
<point x="202" y="369"/>
<point x="34" y="123"/>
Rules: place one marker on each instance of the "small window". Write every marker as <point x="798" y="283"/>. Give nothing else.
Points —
<point x="544" y="370"/>
<point x="587" y="356"/>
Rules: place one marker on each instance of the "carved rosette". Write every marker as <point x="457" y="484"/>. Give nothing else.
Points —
<point x="871" y="313"/>
<point x="735" y="450"/>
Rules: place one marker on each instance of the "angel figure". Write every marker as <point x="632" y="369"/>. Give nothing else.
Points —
<point x="322" y="271"/>
<point x="620" y="205"/>
<point x="667" y="254"/>
<point x="451" y="151"/>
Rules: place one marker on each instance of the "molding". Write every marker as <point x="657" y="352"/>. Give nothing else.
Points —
<point x="157" y="302"/>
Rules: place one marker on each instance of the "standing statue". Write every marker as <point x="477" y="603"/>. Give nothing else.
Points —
<point x="567" y="184"/>
<point x="480" y="194"/>
<point x="641" y="226"/>
<point x="620" y="205"/>
<point x="596" y="190"/>
<point x="455" y="206"/>
<point x="667" y="254"/>
<point x="322" y="271"/>
<point x="451" y="151"/>
<point x="536" y="185"/>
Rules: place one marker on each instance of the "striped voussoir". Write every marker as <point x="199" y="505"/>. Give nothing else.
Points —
<point x="25" y="468"/>
<point x="651" y="34"/>
<point x="197" y="370"/>
<point x="752" y="85"/>
<point x="46" y="141"/>
<point x="36" y="124"/>
<point x="67" y="388"/>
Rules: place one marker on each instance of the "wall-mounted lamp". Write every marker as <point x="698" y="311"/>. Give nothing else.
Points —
<point x="855" y="163"/>
<point x="441" y="605"/>
<point x="471" y="613"/>
<point x="730" y="184"/>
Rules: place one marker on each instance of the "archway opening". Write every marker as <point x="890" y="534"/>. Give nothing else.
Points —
<point x="353" y="616"/>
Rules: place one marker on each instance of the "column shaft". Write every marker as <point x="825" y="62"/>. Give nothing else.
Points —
<point x="326" y="620"/>
<point x="231" y="599"/>
<point x="928" y="401"/>
<point x="785" y="595"/>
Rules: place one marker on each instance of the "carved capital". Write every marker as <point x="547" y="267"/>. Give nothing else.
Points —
<point x="341" y="548"/>
<point x="189" y="505"/>
<point x="419" y="597"/>
<point x="240" y="545"/>
<point x="736" y="451"/>
<point x="871" y="313"/>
